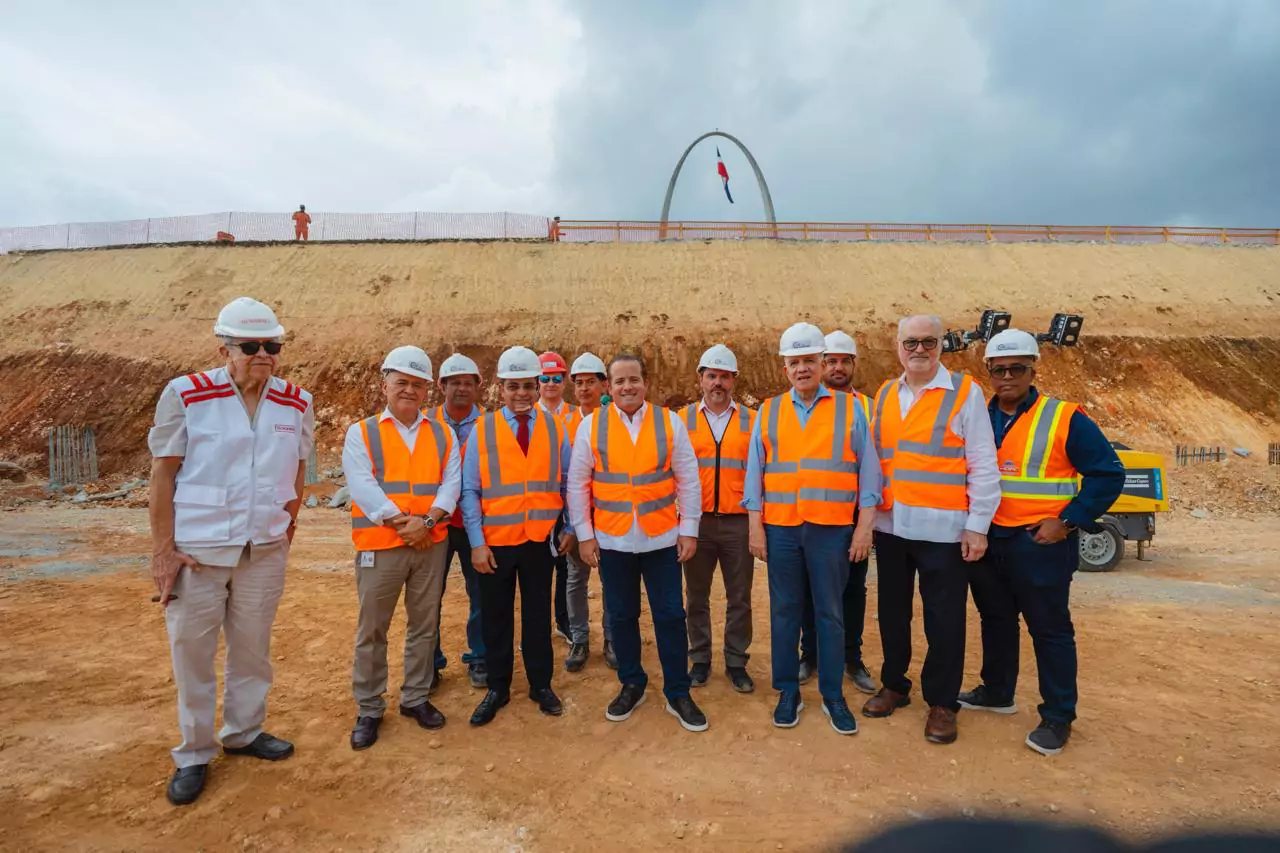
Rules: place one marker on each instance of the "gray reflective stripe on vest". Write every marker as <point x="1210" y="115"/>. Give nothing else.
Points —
<point x="650" y="479"/>
<point x="374" y="435"/>
<point x="613" y="506"/>
<point x="779" y="497"/>
<point x="553" y="433"/>
<point x="780" y="467"/>
<point x="875" y="431"/>
<point x="424" y="490"/>
<point x="507" y="520"/>
<point x="660" y="427"/>
<point x="771" y="437"/>
<point x="1040" y="440"/>
<point x="933" y="477"/>
<point x="725" y="464"/>
<point x="829" y="495"/>
<point x="1040" y="488"/>
<point x="922" y="449"/>
<point x="543" y="514"/>
<point x="612" y="478"/>
<point x="362" y="523"/>
<point x="540" y="487"/>
<point x="602" y="442"/>
<point x="691" y="417"/>
<point x="441" y="448"/>
<point x="841" y="432"/>
<point x="744" y="419"/>
<point x="646" y="507"/>
<point x="838" y="466"/>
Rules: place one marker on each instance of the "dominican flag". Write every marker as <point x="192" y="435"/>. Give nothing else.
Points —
<point x="724" y="174"/>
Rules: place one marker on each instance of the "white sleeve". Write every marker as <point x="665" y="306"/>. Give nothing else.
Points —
<point x="983" y="471"/>
<point x="168" y="437"/>
<point x="581" y="467"/>
<point x="684" y="464"/>
<point x="451" y="482"/>
<point x="308" y="439"/>
<point x="365" y="491"/>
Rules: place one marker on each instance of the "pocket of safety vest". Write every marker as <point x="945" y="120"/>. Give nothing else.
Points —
<point x="200" y="513"/>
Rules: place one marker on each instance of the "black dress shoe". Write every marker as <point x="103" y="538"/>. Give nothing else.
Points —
<point x="427" y="715"/>
<point x="741" y="680"/>
<point x="699" y="673"/>
<point x="577" y="658"/>
<point x="489" y="707"/>
<point x="630" y="697"/>
<point x="264" y="746"/>
<point x="187" y="784"/>
<point x="365" y="734"/>
<point x="548" y="702"/>
<point x="610" y="659"/>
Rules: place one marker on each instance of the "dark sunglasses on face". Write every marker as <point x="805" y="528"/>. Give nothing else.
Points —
<point x="912" y="344"/>
<point x="252" y="347"/>
<point x="1017" y="371"/>
<point x="557" y="379"/>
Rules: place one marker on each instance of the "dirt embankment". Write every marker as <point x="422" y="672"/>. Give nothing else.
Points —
<point x="1179" y="345"/>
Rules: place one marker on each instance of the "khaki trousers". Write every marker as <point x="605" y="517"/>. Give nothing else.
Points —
<point x="239" y="602"/>
<point x="721" y="539"/>
<point x="421" y="575"/>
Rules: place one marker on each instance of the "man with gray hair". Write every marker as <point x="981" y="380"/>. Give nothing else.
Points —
<point x="941" y="489"/>
<point x="230" y="448"/>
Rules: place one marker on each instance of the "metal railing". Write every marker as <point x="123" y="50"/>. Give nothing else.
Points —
<point x="636" y="231"/>
<point x="1273" y="454"/>
<point x="1186" y="455"/>
<point x="73" y="456"/>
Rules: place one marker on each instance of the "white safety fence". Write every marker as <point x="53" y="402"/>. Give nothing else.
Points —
<point x="255" y="227"/>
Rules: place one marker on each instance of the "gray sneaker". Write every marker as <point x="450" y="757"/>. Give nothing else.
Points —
<point x="861" y="678"/>
<point x="982" y="699"/>
<point x="1049" y="738"/>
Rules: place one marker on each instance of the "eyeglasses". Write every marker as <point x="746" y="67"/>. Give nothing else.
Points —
<point x="557" y="379"/>
<point x="1016" y="371"/>
<point x="252" y="347"/>
<point x="913" y="344"/>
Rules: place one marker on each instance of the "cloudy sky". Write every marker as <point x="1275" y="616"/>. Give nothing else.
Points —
<point x="1077" y="111"/>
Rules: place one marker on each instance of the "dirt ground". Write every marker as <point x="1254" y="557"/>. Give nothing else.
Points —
<point x="1179" y="682"/>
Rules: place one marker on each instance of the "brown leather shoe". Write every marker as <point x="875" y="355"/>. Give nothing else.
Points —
<point x="941" y="727"/>
<point x="885" y="703"/>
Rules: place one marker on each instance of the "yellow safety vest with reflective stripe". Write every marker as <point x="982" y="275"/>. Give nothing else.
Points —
<point x="1037" y="480"/>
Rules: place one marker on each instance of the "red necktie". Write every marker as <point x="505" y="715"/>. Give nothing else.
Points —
<point x="522" y="432"/>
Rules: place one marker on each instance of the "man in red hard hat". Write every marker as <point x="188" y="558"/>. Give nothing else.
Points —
<point x="555" y="372"/>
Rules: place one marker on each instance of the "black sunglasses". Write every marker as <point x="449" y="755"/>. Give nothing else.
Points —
<point x="252" y="347"/>
<point x="912" y="344"/>
<point x="1017" y="371"/>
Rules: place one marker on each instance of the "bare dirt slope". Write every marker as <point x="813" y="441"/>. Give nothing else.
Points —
<point x="1180" y="341"/>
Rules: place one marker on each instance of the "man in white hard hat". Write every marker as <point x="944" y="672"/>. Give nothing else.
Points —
<point x="459" y="379"/>
<point x="631" y="463"/>
<point x="405" y="474"/>
<point x="720" y="432"/>
<point x="512" y="502"/>
<point x="941" y="490"/>
<point x="811" y="469"/>
<point x="588" y="375"/>
<point x="1045" y="447"/>
<point x="839" y="363"/>
<point x="230" y="448"/>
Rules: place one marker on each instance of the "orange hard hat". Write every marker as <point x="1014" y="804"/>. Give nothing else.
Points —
<point x="552" y="363"/>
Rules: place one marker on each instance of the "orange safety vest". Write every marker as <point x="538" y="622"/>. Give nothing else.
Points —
<point x="633" y="479"/>
<point x="519" y="495"/>
<point x="810" y="472"/>
<point x="437" y="414"/>
<point x="922" y="459"/>
<point x="573" y="420"/>
<point x="722" y="465"/>
<point x="1037" y="479"/>
<point x="410" y="480"/>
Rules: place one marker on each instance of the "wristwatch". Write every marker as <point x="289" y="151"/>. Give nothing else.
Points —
<point x="429" y="520"/>
<point x="1067" y="524"/>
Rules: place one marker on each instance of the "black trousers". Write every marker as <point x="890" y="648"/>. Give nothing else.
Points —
<point x="562" y="584"/>
<point x="529" y="566"/>
<point x="944" y="591"/>
<point x="855" y="615"/>
<point x="1020" y="576"/>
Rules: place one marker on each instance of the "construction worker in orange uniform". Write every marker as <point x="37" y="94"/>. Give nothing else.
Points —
<point x="839" y="363"/>
<point x="589" y="383"/>
<point x="512" y="500"/>
<point x="551" y="399"/>
<point x="941" y="490"/>
<point x="460" y="382"/>
<point x="811" y="468"/>
<point x="1042" y="445"/>
<point x="301" y="223"/>
<point x="632" y="462"/>
<point x="405" y="475"/>
<point x="720" y="432"/>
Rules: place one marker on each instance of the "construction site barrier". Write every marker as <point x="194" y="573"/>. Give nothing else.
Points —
<point x="268" y="227"/>
<point x="633" y="231"/>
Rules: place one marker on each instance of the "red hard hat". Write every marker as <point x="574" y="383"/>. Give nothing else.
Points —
<point x="552" y="363"/>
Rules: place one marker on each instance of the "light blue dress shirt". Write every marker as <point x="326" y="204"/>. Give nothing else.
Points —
<point x="470" y="500"/>
<point x="869" y="476"/>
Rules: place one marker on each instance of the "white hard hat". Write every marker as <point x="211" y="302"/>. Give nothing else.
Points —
<point x="840" y="343"/>
<point x="802" y="339"/>
<point x="1012" y="342"/>
<point x="588" y="362"/>
<point x="519" y="363"/>
<point x="719" y="357"/>
<point x="458" y="365"/>
<point x="410" y="360"/>
<point x="247" y="318"/>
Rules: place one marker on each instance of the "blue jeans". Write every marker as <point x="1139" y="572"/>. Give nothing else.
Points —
<point x="1017" y="575"/>
<point x="820" y="554"/>
<point x="620" y="574"/>
<point x="459" y="544"/>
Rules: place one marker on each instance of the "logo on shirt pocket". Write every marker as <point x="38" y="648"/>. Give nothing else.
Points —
<point x="290" y="428"/>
